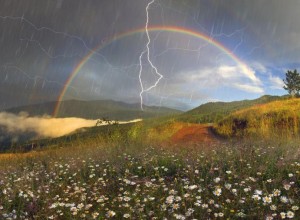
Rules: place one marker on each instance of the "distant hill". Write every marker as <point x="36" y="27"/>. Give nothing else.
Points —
<point x="274" y="119"/>
<point x="113" y="110"/>
<point x="215" y="111"/>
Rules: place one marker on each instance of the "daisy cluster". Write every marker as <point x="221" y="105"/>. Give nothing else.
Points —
<point x="153" y="183"/>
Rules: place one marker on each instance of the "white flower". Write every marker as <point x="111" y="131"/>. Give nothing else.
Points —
<point x="169" y="199"/>
<point x="234" y="191"/>
<point x="205" y="206"/>
<point x="88" y="206"/>
<point x="252" y="179"/>
<point x="258" y="192"/>
<point x="110" y="214"/>
<point x="276" y="192"/>
<point x="189" y="212"/>
<point x="241" y="214"/>
<point x="95" y="214"/>
<point x="273" y="207"/>
<point x="178" y="216"/>
<point x="247" y="189"/>
<point x="284" y="199"/>
<point x="186" y="195"/>
<point x="217" y="191"/>
<point x="286" y="186"/>
<point x="198" y="203"/>
<point x="193" y="187"/>
<point x="290" y="214"/>
<point x="267" y="199"/>
<point x="175" y="206"/>
<point x="256" y="197"/>
<point x="282" y="215"/>
<point x="126" y="215"/>
<point x="221" y="214"/>
<point x="80" y="206"/>
<point x="227" y="185"/>
<point x="126" y="198"/>
<point x="178" y="198"/>
<point x="172" y="192"/>
<point x="295" y="208"/>
<point x="218" y="179"/>
<point x="73" y="209"/>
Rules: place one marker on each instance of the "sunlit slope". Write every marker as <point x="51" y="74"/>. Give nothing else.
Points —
<point x="278" y="118"/>
<point x="215" y="111"/>
<point x="96" y="109"/>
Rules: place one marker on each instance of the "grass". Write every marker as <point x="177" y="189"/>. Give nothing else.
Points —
<point x="129" y="172"/>
<point x="212" y="112"/>
<point x="147" y="131"/>
<point x="278" y="118"/>
<point x="102" y="181"/>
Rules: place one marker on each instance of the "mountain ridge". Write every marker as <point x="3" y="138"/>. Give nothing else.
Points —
<point x="94" y="109"/>
<point x="214" y="111"/>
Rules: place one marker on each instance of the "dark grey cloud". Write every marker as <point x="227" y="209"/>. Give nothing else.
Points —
<point x="43" y="41"/>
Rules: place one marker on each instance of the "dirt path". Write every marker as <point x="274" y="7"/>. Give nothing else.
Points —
<point x="194" y="134"/>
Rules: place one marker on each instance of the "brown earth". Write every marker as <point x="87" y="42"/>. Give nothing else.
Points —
<point x="194" y="134"/>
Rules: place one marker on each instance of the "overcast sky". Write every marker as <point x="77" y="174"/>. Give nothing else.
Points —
<point x="43" y="41"/>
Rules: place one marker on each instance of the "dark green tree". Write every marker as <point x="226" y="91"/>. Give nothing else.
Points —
<point x="292" y="82"/>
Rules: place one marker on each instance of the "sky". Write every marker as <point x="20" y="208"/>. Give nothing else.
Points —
<point x="226" y="50"/>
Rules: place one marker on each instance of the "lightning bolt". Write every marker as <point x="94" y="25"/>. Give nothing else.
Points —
<point x="147" y="50"/>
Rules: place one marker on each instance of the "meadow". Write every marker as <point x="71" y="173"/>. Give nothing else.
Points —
<point x="134" y="171"/>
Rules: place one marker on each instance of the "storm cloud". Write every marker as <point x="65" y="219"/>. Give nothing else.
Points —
<point x="42" y="42"/>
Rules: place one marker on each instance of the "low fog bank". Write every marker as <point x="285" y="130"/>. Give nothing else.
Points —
<point x="45" y="126"/>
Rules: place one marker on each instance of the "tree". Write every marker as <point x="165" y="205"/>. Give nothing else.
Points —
<point x="99" y="122"/>
<point x="292" y="82"/>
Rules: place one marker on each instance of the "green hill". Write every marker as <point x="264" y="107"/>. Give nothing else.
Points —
<point x="274" y="119"/>
<point x="214" y="111"/>
<point x="82" y="109"/>
<point x="95" y="109"/>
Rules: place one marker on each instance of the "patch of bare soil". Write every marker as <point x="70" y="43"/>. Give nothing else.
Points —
<point x="194" y="134"/>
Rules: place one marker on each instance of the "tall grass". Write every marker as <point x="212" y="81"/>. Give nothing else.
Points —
<point x="122" y="172"/>
<point x="90" y="180"/>
<point x="279" y="119"/>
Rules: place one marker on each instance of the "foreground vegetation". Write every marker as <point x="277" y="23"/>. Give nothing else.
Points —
<point x="133" y="171"/>
<point x="101" y="181"/>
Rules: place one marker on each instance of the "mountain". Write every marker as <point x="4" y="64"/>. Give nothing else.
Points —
<point x="110" y="109"/>
<point x="215" y="111"/>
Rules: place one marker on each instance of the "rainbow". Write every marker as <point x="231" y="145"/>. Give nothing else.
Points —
<point x="174" y="29"/>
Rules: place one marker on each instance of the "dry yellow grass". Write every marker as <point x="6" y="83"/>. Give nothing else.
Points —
<point x="280" y="118"/>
